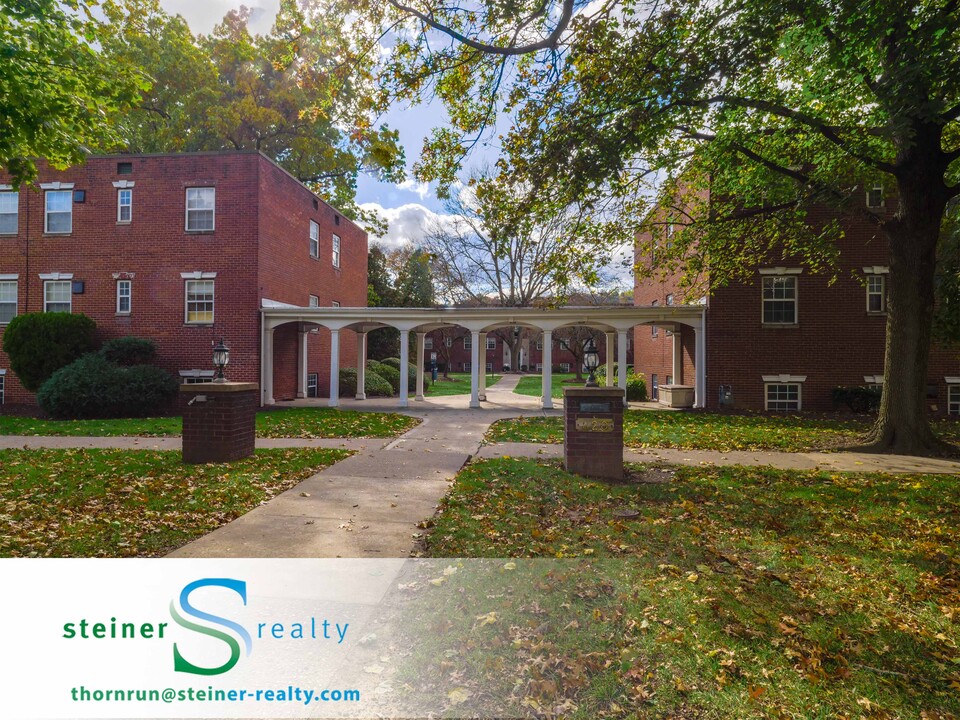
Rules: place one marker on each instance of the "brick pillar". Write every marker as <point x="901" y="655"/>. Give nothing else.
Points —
<point x="219" y="421"/>
<point x="593" y="432"/>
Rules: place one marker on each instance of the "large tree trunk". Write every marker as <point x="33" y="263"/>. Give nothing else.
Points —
<point x="903" y="426"/>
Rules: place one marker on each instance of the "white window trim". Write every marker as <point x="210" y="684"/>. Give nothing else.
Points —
<point x="197" y="275"/>
<point x="468" y="342"/>
<point x="3" y="387"/>
<point x="876" y="270"/>
<point x="314" y="239"/>
<point x="124" y="276"/>
<point x="124" y="184"/>
<point x="883" y="199"/>
<point x="873" y="379"/>
<point x="489" y="367"/>
<point x="60" y="279"/>
<point x="313" y="301"/>
<point x="129" y="297"/>
<point x="539" y="367"/>
<point x="62" y="187"/>
<point x="120" y="206"/>
<point x="467" y="367"/>
<point x="56" y="276"/>
<point x="766" y="397"/>
<point x="15" y="279"/>
<point x="186" y="208"/>
<point x="337" y="250"/>
<point x="56" y="186"/>
<point x="952" y="380"/>
<point x="8" y="188"/>
<point x="494" y="345"/>
<point x="334" y="303"/>
<point x="564" y="367"/>
<point x="953" y="387"/>
<point x="448" y="341"/>
<point x="796" y="299"/>
<point x="186" y="302"/>
<point x="9" y="276"/>
<point x="883" y="294"/>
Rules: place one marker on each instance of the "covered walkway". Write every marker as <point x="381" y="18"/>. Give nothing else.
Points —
<point x="614" y="321"/>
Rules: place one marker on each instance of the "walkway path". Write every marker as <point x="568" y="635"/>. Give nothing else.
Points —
<point x="369" y="504"/>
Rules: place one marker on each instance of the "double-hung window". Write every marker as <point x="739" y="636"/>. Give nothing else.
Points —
<point x="58" y="212"/>
<point x="199" y="301"/>
<point x="8" y="301"/>
<point x="428" y="343"/>
<point x="201" y="206"/>
<point x="57" y="296"/>
<point x="314" y="301"/>
<point x="336" y="251"/>
<point x="491" y="343"/>
<point x="124" y="296"/>
<point x="953" y="399"/>
<point x="468" y="342"/>
<point x="780" y="300"/>
<point x="314" y="240"/>
<point x="124" y="205"/>
<point x="9" y="212"/>
<point x="876" y="293"/>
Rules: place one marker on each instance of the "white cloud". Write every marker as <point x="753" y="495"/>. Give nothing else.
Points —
<point x="408" y="224"/>
<point x="421" y="189"/>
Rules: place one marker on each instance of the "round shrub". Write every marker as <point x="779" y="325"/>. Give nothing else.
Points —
<point x="39" y="344"/>
<point x="636" y="387"/>
<point x="129" y="350"/>
<point x="391" y="375"/>
<point x="93" y="387"/>
<point x="392" y="362"/>
<point x="373" y="386"/>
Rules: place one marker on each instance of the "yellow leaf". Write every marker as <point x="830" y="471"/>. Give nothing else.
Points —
<point x="458" y="696"/>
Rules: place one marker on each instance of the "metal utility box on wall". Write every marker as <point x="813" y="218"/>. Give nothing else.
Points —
<point x="593" y="431"/>
<point x="219" y="421"/>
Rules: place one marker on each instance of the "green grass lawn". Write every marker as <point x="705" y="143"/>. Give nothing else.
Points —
<point x="123" y="503"/>
<point x="533" y="384"/>
<point x="459" y="384"/>
<point x="309" y="422"/>
<point x="736" y="593"/>
<point x="708" y="431"/>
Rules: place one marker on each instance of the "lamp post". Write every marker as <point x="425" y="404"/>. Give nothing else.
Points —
<point x="591" y="359"/>
<point x="221" y="358"/>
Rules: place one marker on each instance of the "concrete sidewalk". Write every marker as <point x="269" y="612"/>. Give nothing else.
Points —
<point x="838" y="461"/>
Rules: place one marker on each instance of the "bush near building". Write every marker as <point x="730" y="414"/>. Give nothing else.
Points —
<point x="373" y="385"/>
<point x="39" y="344"/>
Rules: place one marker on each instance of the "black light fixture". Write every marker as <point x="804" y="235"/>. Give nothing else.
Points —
<point x="591" y="359"/>
<point x="221" y="358"/>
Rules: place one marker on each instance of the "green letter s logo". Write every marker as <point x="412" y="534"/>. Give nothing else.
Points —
<point x="180" y="664"/>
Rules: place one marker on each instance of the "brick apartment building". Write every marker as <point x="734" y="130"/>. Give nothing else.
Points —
<point x="783" y="341"/>
<point x="183" y="249"/>
<point x="458" y="349"/>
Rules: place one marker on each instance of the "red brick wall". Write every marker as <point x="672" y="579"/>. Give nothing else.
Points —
<point x="254" y="251"/>
<point x="289" y="274"/>
<point x="835" y="342"/>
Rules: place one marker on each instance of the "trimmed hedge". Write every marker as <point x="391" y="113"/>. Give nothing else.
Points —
<point x="373" y="385"/>
<point x="94" y="387"/>
<point x="130" y="350"/>
<point x="392" y="362"/>
<point x="858" y="399"/>
<point x="391" y="375"/>
<point x="636" y="388"/>
<point x="39" y="344"/>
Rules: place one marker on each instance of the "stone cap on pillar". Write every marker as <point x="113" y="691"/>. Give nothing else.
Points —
<point x="215" y="387"/>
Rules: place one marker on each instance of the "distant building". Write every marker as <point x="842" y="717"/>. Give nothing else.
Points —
<point x="183" y="249"/>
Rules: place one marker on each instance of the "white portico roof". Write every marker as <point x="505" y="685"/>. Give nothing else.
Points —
<point x="482" y="319"/>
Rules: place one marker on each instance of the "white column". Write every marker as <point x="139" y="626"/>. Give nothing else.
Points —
<point x="611" y="338"/>
<point x="404" y="368"/>
<point x="301" y="364"/>
<point x="334" y="400"/>
<point x="546" y="396"/>
<point x="700" y="363"/>
<point x="474" y="370"/>
<point x="677" y="356"/>
<point x="622" y="360"/>
<point x="361" y="366"/>
<point x="482" y="391"/>
<point x="268" y="368"/>
<point x="420" y="337"/>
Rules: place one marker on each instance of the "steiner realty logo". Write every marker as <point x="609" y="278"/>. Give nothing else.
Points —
<point x="180" y="663"/>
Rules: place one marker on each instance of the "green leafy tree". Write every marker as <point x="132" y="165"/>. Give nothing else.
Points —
<point x="300" y="94"/>
<point x="780" y="105"/>
<point x="59" y="93"/>
<point x="39" y="344"/>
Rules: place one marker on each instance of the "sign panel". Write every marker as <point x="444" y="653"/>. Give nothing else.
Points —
<point x="595" y="424"/>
